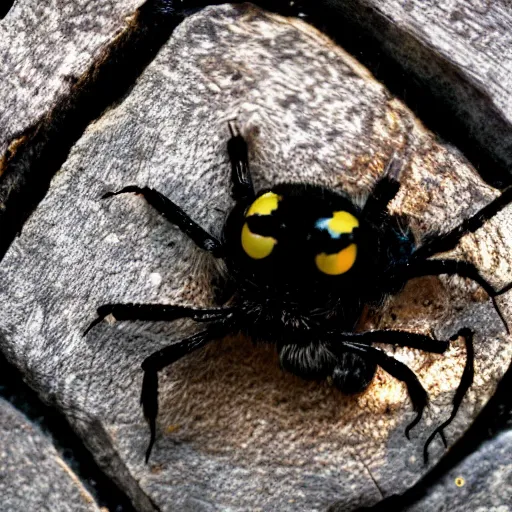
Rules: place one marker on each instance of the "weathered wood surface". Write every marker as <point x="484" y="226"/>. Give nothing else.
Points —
<point x="32" y="474"/>
<point x="481" y="482"/>
<point x="460" y="51"/>
<point x="44" y="48"/>
<point x="234" y="431"/>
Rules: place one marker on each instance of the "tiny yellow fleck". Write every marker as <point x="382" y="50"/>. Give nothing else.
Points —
<point x="459" y="481"/>
<point x="172" y="428"/>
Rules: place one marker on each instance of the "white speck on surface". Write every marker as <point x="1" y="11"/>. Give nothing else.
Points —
<point x="112" y="238"/>
<point x="155" y="278"/>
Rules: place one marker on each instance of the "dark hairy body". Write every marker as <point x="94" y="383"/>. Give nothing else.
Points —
<point x="303" y="262"/>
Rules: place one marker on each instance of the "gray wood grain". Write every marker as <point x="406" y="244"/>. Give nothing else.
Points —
<point x="32" y="474"/>
<point x="44" y="48"/>
<point x="235" y="432"/>
<point x="460" y="51"/>
<point x="481" y="482"/>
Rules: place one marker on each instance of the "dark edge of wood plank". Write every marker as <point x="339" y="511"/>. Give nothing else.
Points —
<point x="34" y="156"/>
<point x="385" y="49"/>
<point x="68" y="444"/>
<point x="5" y="7"/>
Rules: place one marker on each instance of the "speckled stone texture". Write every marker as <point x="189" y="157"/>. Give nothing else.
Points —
<point x="32" y="474"/>
<point x="235" y="432"/>
<point x="44" y="47"/>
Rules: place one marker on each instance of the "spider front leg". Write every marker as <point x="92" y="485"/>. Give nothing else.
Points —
<point x="375" y="209"/>
<point x="158" y="313"/>
<point x="460" y="268"/>
<point x="175" y="215"/>
<point x="242" y="187"/>
<point x="164" y="357"/>
<point x="448" y="241"/>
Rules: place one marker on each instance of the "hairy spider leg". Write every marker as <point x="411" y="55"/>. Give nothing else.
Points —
<point x="398" y="370"/>
<point x="158" y="313"/>
<point x="383" y="192"/>
<point x="243" y="192"/>
<point x="394" y="337"/>
<point x="175" y="215"/>
<point x="164" y="357"/>
<point x="465" y="383"/>
<point x="448" y="241"/>
<point x="460" y="268"/>
<point x="242" y="187"/>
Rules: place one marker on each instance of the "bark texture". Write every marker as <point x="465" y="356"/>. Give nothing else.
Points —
<point x="235" y="432"/>
<point x="33" y="476"/>
<point x="44" y="48"/>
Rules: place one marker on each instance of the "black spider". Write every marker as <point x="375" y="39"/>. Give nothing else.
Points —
<point x="304" y="261"/>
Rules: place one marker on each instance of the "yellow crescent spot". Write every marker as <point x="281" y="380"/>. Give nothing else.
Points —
<point x="341" y="222"/>
<point x="335" y="264"/>
<point x="264" y="205"/>
<point x="256" y="246"/>
<point x="338" y="263"/>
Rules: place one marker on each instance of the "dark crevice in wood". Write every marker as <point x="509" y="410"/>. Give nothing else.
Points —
<point x="495" y="417"/>
<point x="5" y="7"/>
<point x="37" y="154"/>
<point x="70" y="447"/>
<point x="458" y="110"/>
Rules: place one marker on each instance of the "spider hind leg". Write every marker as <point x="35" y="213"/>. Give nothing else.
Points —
<point x="465" y="383"/>
<point x="149" y="403"/>
<point x="398" y="370"/>
<point x="463" y="269"/>
<point x="165" y="357"/>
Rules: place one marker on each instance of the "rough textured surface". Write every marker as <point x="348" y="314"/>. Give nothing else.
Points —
<point x="32" y="474"/>
<point x="234" y="431"/>
<point x="483" y="482"/>
<point x="480" y="483"/>
<point x="460" y="50"/>
<point x="44" y="47"/>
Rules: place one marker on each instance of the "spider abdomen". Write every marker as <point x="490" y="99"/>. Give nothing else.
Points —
<point x="349" y="372"/>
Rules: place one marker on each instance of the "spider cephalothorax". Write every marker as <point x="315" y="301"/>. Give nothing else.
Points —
<point x="304" y="262"/>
